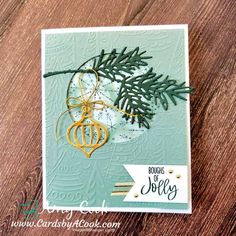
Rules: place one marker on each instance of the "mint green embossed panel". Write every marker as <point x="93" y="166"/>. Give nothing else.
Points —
<point x="71" y="177"/>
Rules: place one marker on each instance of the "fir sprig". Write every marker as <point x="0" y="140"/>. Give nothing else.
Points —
<point x="119" y="64"/>
<point x="135" y="92"/>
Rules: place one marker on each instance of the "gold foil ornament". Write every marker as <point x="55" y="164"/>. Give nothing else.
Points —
<point x="98" y="133"/>
<point x="87" y="134"/>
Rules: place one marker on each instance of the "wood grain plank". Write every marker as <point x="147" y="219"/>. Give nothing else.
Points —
<point x="9" y="11"/>
<point x="212" y="72"/>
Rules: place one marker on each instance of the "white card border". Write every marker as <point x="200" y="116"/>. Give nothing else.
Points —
<point x="106" y="29"/>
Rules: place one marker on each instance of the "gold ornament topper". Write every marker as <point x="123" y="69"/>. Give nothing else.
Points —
<point x="98" y="132"/>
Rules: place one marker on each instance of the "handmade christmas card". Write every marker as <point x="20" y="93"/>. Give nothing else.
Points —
<point x="116" y="129"/>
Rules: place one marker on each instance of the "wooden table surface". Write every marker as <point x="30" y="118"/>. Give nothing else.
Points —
<point x="212" y="45"/>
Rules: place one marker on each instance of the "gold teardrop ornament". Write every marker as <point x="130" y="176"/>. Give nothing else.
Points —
<point x="87" y="134"/>
<point x="76" y="134"/>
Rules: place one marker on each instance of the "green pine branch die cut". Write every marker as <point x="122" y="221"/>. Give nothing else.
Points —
<point x="136" y="92"/>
